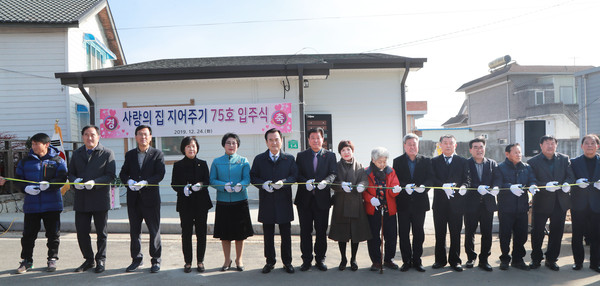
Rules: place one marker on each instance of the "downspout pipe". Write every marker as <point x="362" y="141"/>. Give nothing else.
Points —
<point x="89" y="100"/>
<point x="301" y="104"/>
<point x="403" y="97"/>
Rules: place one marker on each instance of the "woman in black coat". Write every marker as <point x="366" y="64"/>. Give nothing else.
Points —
<point x="190" y="180"/>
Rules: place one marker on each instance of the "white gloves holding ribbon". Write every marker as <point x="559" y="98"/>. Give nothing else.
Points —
<point x="89" y="184"/>
<point x="267" y="186"/>
<point x="347" y="187"/>
<point x="135" y="186"/>
<point x="32" y="190"/>
<point x="494" y="192"/>
<point x="420" y="189"/>
<point x="44" y="185"/>
<point x="196" y="187"/>
<point x="582" y="183"/>
<point x="597" y="185"/>
<point x="227" y="187"/>
<point x="552" y="186"/>
<point x="482" y="189"/>
<point x="462" y="190"/>
<point x="360" y="188"/>
<point x="375" y="202"/>
<point x="516" y="189"/>
<point x="186" y="190"/>
<point x="77" y="184"/>
<point x="310" y="185"/>
<point x="278" y="185"/>
<point x="322" y="185"/>
<point x="409" y="188"/>
<point x="237" y="188"/>
<point x="396" y="189"/>
<point x="447" y="187"/>
<point x="566" y="187"/>
<point x="139" y="185"/>
<point x="533" y="189"/>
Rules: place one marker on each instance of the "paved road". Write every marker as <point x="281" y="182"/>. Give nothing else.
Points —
<point x="171" y="271"/>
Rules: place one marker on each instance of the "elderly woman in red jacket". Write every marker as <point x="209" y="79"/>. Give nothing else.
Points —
<point x="380" y="201"/>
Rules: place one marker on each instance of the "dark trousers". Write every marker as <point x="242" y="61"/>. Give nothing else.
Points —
<point x="442" y="221"/>
<point x="483" y="218"/>
<point x="515" y="225"/>
<point x="188" y="221"/>
<point x="151" y="215"/>
<point x="582" y="221"/>
<point x="31" y="227"/>
<point x="311" y="216"/>
<point x="83" y="225"/>
<point x="390" y="233"/>
<point x="557" y="226"/>
<point x="286" y="242"/>
<point x="411" y="254"/>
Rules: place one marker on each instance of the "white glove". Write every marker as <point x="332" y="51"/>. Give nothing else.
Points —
<point x="322" y="185"/>
<point x="32" y="190"/>
<point x="360" y="188"/>
<point x="89" y="184"/>
<point x="409" y="188"/>
<point x="420" y="189"/>
<point x="396" y="189"/>
<point x="196" y="187"/>
<point x="186" y="190"/>
<point x="597" y="185"/>
<point x="463" y="190"/>
<point x="228" y="187"/>
<point x="44" y="185"/>
<point x="516" y="190"/>
<point x="131" y="184"/>
<point x="552" y="186"/>
<point x="494" y="192"/>
<point x="375" y="202"/>
<point x="267" y="186"/>
<point x="582" y="183"/>
<point x="566" y="187"/>
<point x="533" y="189"/>
<point x="309" y="185"/>
<point x="482" y="189"/>
<point x="77" y="184"/>
<point x="237" y="188"/>
<point x="278" y="185"/>
<point x="139" y="185"/>
<point x="448" y="190"/>
<point x="347" y="187"/>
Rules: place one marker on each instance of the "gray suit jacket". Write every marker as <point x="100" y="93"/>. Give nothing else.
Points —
<point x="544" y="201"/>
<point x="100" y="167"/>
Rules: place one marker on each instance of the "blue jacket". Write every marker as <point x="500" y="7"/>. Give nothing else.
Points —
<point x="590" y="196"/>
<point x="51" y="168"/>
<point x="230" y="168"/>
<point x="510" y="174"/>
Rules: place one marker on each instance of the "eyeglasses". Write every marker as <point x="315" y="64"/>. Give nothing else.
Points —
<point x="231" y="143"/>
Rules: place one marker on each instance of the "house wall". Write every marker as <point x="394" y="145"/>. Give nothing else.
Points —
<point x="589" y="103"/>
<point x="365" y="108"/>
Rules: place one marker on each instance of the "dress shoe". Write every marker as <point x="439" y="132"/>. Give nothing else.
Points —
<point x="376" y="267"/>
<point x="552" y="265"/>
<point x="226" y="267"/>
<point x="391" y="265"/>
<point x="503" y="265"/>
<point x="353" y="265"/>
<point x="343" y="263"/>
<point x="405" y="267"/>
<point x="485" y="266"/>
<point x="595" y="268"/>
<point x="200" y="268"/>
<point x="321" y="266"/>
<point x="134" y="266"/>
<point x="187" y="268"/>
<point x="470" y="263"/>
<point x="577" y="266"/>
<point x="240" y="268"/>
<point x="457" y="267"/>
<point x="535" y="264"/>
<point x="289" y="268"/>
<point x="88" y="264"/>
<point x="438" y="265"/>
<point x="267" y="268"/>
<point x="155" y="268"/>
<point x="521" y="265"/>
<point x="99" y="267"/>
<point x="419" y="267"/>
<point x="305" y="267"/>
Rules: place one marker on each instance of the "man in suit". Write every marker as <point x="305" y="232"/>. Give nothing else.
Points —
<point x="480" y="204"/>
<point x="450" y="171"/>
<point x="513" y="176"/>
<point x="585" y="200"/>
<point x="316" y="166"/>
<point x="92" y="169"/>
<point x="414" y="171"/>
<point x="143" y="169"/>
<point x="552" y="170"/>
<point x="273" y="173"/>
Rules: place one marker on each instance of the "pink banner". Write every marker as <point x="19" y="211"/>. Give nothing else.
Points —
<point x="203" y="120"/>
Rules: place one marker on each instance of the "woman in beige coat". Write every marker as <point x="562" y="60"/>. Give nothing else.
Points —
<point x="349" y="219"/>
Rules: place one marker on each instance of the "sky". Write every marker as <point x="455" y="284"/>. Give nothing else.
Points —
<point x="458" y="38"/>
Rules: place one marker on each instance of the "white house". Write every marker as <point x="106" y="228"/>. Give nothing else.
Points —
<point x="40" y="38"/>
<point x="360" y="97"/>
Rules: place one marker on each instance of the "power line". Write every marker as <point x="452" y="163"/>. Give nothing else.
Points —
<point x="24" y="73"/>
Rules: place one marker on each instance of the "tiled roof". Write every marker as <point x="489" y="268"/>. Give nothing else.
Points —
<point x="45" y="11"/>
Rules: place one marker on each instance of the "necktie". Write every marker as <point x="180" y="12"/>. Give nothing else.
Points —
<point x="447" y="160"/>
<point x="89" y="151"/>
<point x="275" y="158"/>
<point x="315" y="161"/>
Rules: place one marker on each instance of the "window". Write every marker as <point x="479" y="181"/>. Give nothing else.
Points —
<point x="539" y="97"/>
<point x="83" y="116"/>
<point x="170" y="145"/>
<point x="566" y="95"/>
<point x="94" y="58"/>
<point x="96" y="52"/>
